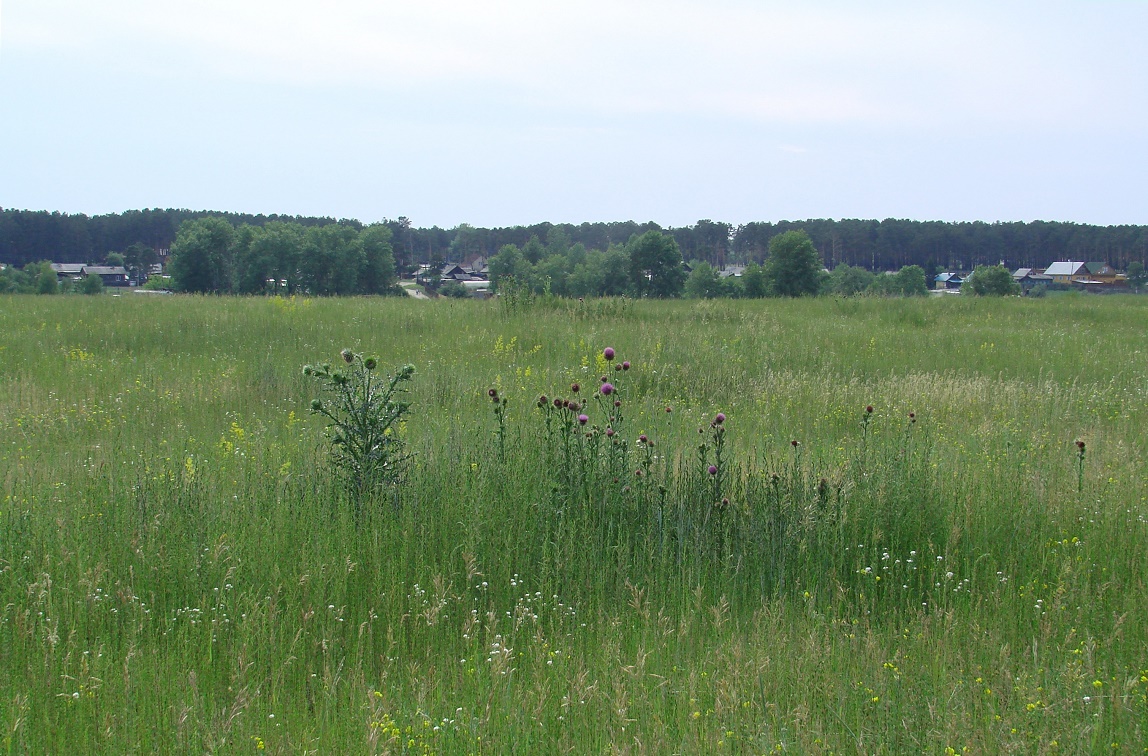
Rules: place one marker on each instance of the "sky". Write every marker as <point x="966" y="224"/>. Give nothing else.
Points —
<point x="515" y="112"/>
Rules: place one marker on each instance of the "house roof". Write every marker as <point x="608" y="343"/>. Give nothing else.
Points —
<point x="946" y="277"/>
<point x="105" y="270"/>
<point x="1065" y="268"/>
<point x="74" y="269"/>
<point x="1099" y="268"/>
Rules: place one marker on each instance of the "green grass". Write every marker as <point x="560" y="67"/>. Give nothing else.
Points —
<point x="179" y="572"/>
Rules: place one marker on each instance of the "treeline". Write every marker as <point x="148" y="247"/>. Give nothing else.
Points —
<point x="209" y="255"/>
<point x="29" y="236"/>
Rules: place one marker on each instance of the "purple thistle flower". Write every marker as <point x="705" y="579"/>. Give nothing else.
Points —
<point x="617" y="403"/>
<point x="575" y="387"/>
<point x="557" y="404"/>
<point x="583" y="419"/>
<point x="609" y="433"/>
<point x="626" y="365"/>
<point x="713" y="469"/>
<point x="607" y="389"/>
<point x="608" y="353"/>
<point x="720" y="418"/>
<point x="617" y="368"/>
<point x="643" y="438"/>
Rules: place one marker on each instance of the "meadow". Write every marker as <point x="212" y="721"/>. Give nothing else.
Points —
<point x="892" y="542"/>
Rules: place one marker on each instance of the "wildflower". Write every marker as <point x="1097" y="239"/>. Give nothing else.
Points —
<point x="492" y="393"/>
<point x="609" y="433"/>
<point x="869" y="409"/>
<point x="669" y="410"/>
<point x="617" y="403"/>
<point x="617" y="367"/>
<point x="557" y="403"/>
<point x="542" y="401"/>
<point x="643" y="439"/>
<point x="583" y="419"/>
<point x="574" y="387"/>
<point x="607" y="389"/>
<point x="625" y="364"/>
<point x="1080" y="444"/>
<point x="719" y="419"/>
<point x="608" y="353"/>
<point x="370" y="363"/>
<point x="347" y="355"/>
<point x="713" y="469"/>
<point x="724" y="502"/>
<point x="795" y="443"/>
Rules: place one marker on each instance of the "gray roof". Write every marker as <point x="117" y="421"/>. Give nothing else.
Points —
<point x="1065" y="268"/>
<point x="105" y="270"/>
<point x="73" y="269"/>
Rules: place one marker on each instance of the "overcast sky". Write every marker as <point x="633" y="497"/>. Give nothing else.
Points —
<point x="507" y="113"/>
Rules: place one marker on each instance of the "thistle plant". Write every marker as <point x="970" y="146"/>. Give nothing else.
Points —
<point x="363" y="411"/>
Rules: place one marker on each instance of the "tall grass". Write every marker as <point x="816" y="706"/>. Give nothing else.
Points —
<point x="180" y="571"/>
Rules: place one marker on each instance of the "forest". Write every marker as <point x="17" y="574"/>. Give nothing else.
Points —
<point x="876" y="245"/>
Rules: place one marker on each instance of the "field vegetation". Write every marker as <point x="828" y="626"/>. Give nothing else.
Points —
<point x="915" y="526"/>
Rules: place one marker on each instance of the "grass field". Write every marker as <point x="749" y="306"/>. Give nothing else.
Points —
<point x="180" y="571"/>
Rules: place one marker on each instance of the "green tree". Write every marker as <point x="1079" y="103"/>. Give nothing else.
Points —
<point x="201" y="256"/>
<point x="47" y="282"/>
<point x="907" y="282"/>
<point x="655" y="265"/>
<point x="508" y="263"/>
<point x="332" y="258"/>
<point x="114" y="260"/>
<point x="754" y="282"/>
<point x="911" y="281"/>
<point x="990" y="281"/>
<point x="1137" y="275"/>
<point x="533" y="250"/>
<point x="252" y="269"/>
<point x="794" y="267"/>
<point x="377" y="275"/>
<point x="92" y="284"/>
<point x="138" y="259"/>
<point x="703" y="283"/>
<point x="847" y="280"/>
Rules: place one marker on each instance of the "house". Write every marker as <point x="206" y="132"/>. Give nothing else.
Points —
<point x="73" y="271"/>
<point x="731" y="271"/>
<point x="1103" y="272"/>
<point x="948" y="281"/>
<point x="1029" y="278"/>
<point x="1063" y="272"/>
<point x="111" y="275"/>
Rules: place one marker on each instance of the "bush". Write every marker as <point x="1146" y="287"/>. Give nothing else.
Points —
<point x="92" y="284"/>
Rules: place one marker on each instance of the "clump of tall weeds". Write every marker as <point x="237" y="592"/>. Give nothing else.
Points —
<point x="364" y="413"/>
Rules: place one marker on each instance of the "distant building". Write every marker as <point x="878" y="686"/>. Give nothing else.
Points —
<point x="948" y="281"/>
<point x="1029" y="278"/>
<point x="112" y="275"/>
<point x="1063" y="272"/>
<point x="74" y="271"/>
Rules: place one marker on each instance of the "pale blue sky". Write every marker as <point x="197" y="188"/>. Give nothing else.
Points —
<point x="506" y="113"/>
